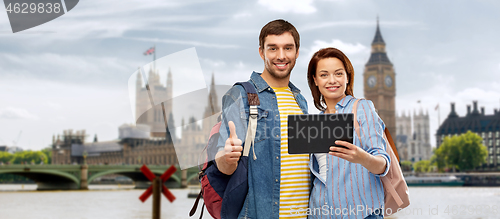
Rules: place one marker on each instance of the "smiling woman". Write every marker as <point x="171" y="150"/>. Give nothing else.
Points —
<point x="347" y="177"/>
<point x="331" y="62"/>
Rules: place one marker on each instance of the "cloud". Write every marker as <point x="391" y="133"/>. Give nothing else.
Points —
<point x="475" y="93"/>
<point x="213" y="63"/>
<point x="115" y="18"/>
<point x="292" y="6"/>
<point x="432" y="60"/>
<point x="242" y="15"/>
<point x="347" y="48"/>
<point x="186" y="42"/>
<point x="356" y="52"/>
<point x="16" y="113"/>
<point x="69" y="68"/>
<point x="358" y="23"/>
<point x="55" y="106"/>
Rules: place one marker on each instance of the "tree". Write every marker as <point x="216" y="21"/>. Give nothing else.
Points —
<point x="422" y="166"/>
<point x="28" y="157"/>
<point x="464" y="152"/>
<point x="473" y="152"/>
<point x="5" y="157"/>
<point x="406" y="165"/>
<point x="442" y="154"/>
<point x="48" y="153"/>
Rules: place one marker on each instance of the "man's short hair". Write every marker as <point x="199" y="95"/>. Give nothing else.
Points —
<point x="278" y="27"/>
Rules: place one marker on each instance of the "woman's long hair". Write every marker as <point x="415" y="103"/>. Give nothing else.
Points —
<point x="329" y="52"/>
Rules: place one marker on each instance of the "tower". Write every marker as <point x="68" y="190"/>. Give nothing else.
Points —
<point x="403" y="135"/>
<point x="212" y="109"/>
<point x="153" y="115"/>
<point x="379" y="82"/>
<point x="421" y="136"/>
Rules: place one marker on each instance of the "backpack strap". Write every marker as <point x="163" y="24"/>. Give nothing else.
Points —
<point x="253" y="102"/>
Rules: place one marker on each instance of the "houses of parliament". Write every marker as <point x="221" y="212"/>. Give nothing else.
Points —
<point x="156" y="146"/>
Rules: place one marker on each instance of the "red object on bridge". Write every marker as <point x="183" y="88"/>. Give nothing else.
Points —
<point x="151" y="176"/>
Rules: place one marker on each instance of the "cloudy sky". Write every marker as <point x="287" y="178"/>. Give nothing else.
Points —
<point x="73" y="72"/>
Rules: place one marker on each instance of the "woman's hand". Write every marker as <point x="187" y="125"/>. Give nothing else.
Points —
<point x="351" y="153"/>
<point x="354" y="154"/>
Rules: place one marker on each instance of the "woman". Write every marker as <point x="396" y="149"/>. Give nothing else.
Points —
<point x="347" y="183"/>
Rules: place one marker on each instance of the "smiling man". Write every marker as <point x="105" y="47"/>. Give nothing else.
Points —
<point x="279" y="183"/>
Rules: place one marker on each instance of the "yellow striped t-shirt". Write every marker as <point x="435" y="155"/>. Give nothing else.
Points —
<point x="295" y="173"/>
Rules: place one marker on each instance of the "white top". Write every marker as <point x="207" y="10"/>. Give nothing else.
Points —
<point x="321" y="157"/>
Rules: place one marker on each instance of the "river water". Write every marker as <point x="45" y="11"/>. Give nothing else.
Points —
<point x="112" y="201"/>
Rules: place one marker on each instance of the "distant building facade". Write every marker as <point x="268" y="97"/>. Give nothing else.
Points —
<point x="486" y="126"/>
<point x="413" y="136"/>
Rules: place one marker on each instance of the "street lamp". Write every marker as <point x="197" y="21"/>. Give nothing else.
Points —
<point x="85" y="157"/>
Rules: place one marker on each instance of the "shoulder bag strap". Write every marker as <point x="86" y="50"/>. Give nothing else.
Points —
<point x="386" y="131"/>
<point x="356" y="122"/>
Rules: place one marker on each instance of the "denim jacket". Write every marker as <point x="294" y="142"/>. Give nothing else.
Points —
<point x="263" y="196"/>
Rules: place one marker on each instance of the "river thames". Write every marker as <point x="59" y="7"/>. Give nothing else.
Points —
<point x="113" y="201"/>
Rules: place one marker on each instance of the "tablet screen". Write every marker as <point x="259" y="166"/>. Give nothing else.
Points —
<point x="315" y="133"/>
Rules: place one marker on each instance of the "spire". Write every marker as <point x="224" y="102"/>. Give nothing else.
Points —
<point x="169" y="84"/>
<point x="378" y="55"/>
<point x="213" y="105"/>
<point x="378" y="36"/>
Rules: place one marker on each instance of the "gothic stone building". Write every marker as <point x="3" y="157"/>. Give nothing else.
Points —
<point x="413" y="139"/>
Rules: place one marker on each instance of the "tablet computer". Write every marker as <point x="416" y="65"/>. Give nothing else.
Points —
<point x="315" y="133"/>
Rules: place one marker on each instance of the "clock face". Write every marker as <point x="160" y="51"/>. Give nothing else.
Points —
<point x="388" y="81"/>
<point x="372" y="80"/>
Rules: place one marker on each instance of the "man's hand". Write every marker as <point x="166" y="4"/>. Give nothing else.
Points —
<point x="227" y="159"/>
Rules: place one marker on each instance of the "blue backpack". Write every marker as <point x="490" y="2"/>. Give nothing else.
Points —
<point x="224" y="195"/>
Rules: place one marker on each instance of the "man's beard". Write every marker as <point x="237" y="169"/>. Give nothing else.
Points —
<point x="272" y="73"/>
<point x="279" y="76"/>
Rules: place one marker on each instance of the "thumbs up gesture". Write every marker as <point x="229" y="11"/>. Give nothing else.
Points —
<point x="227" y="160"/>
<point x="233" y="146"/>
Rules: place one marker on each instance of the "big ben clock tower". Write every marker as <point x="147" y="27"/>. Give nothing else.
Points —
<point x="379" y="82"/>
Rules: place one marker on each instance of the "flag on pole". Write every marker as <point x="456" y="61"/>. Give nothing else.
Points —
<point x="149" y="51"/>
<point x="437" y="107"/>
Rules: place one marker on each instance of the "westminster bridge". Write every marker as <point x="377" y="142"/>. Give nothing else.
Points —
<point x="72" y="177"/>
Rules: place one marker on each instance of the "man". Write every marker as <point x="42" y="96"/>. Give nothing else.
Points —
<point x="279" y="183"/>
